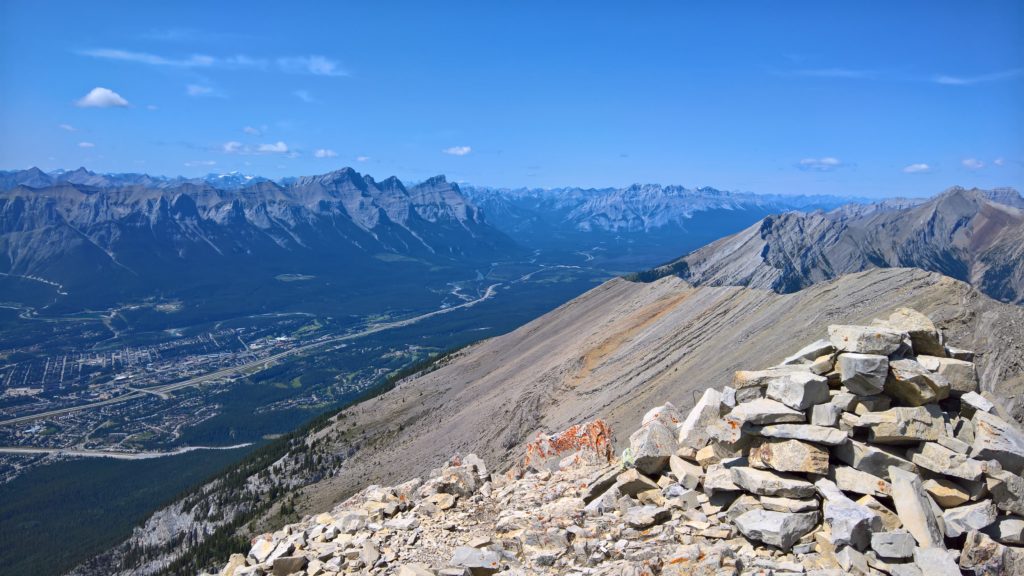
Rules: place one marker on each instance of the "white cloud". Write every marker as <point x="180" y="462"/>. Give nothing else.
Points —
<point x="232" y="147"/>
<point x="304" y="96"/>
<point x="67" y="127"/>
<point x="325" y="153"/>
<point x="916" y="168"/>
<point x="362" y="158"/>
<point x="199" y="90"/>
<point x="86" y="145"/>
<point x="834" y="73"/>
<point x="275" y="148"/>
<point x="824" y="164"/>
<point x="193" y="61"/>
<point x="252" y="131"/>
<point x="972" y="163"/>
<point x="971" y="80"/>
<point x="313" y="64"/>
<point x="101" y="98"/>
<point x="458" y="150"/>
<point x="151" y="107"/>
<point x="999" y="161"/>
<point x="191" y="163"/>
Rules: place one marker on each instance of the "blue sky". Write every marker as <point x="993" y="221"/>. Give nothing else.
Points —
<point x="865" y="98"/>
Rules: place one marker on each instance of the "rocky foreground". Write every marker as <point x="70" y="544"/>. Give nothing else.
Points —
<point x="870" y="452"/>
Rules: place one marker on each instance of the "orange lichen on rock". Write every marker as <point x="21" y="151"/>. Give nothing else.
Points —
<point x="587" y="443"/>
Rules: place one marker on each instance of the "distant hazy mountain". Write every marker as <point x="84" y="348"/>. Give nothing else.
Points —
<point x="641" y="221"/>
<point x="114" y="236"/>
<point x="973" y="235"/>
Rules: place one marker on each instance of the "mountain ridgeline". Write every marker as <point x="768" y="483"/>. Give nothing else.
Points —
<point x="108" y="238"/>
<point x="976" y="236"/>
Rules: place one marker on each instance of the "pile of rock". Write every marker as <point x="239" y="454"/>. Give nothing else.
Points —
<point x="870" y="452"/>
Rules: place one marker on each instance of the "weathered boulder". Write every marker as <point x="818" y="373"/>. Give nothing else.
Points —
<point x="810" y="352"/>
<point x="1007" y="530"/>
<point x="799" y="390"/>
<point x="781" y="504"/>
<point x="996" y="439"/>
<point x="789" y="456"/>
<point x="651" y="446"/>
<point x="751" y="384"/>
<point x="935" y="562"/>
<point x="863" y="373"/>
<point x="686" y="473"/>
<point x="826" y="414"/>
<point x="962" y="375"/>
<point x="973" y="402"/>
<point x="415" y="569"/>
<point x="865" y="339"/>
<point x="643" y="517"/>
<point x="903" y="425"/>
<point x="946" y="493"/>
<point x="762" y="411"/>
<point x="983" y="556"/>
<point x="962" y="519"/>
<point x="632" y="482"/>
<point x="913" y="384"/>
<point x="915" y="508"/>
<point x="805" y="432"/>
<point x="286" y="565"/>
<point x="898" y="544"/>
<point x="871" y="459"/>
<point x="667" y="414"/>
<point x="1007" y="490"/>
<point x="850" y="524"/>
<point x="693" y="431"/>
<point x="890" y="520"/>
<point x="477" y="561"/>
<point x="778" y="529"/>
<point x="937" y="458"/>
<point x="924" y="337"/>
<point x="765" y="483"/>
<point x="852" y="480"/>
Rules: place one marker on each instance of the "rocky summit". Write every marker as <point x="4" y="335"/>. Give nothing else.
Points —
<point x="869" y="452"/>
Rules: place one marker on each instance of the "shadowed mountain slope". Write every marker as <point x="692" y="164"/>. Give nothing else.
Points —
<point x="973" y="235"/>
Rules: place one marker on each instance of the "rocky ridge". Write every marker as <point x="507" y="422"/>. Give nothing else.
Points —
<point x="869" y="452"/>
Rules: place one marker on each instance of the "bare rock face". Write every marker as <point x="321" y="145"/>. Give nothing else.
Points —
<point x="863" y="374"/>
<point x="912" y="384"/>
<point x="924" y="337"/>
<point x="755" y="488"/>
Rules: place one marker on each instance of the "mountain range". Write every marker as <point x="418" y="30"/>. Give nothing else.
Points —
<point x="972" y="235"/>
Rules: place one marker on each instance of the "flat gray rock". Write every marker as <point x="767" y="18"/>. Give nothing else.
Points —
<point x="996" y="439"/>
<point x="805" y="432"/>
<point x="799" y="390"/>
<point x="897" y="544"/>
<point x="778" y="529"/>
<point x="864" y="339"/>
<point x="651" y="446"/>
<point x="863" y="373"/>
<point x="915" y="508"/>
<point x="962" y="519"/>
<point x="765" y="483"/>
<point x="904" y="425"/>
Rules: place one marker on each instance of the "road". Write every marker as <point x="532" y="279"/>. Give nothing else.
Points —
<point x="164" y="390"/>
<point x="113" y="453"/>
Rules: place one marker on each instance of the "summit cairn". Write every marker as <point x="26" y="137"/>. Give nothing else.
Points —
<point x="868" y="453"/>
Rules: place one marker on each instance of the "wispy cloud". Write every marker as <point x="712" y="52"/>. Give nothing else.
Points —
<point x="196" y="90"/>
<point x="850" y="73"/>
<point x="304" y="96"/>
<point x="313" y="64"/>
<point x="949" y="80"/>
<point x="362" y="158"/>
<point x="235" y="147"/>
<point x="67" y="127"/>
<point x="458" y="150"/>
<point x="191" y="163"/>
<point x="252" y="131"/>
<point x="972" y="163"/>
<point x="999" y="161"/>
<point x="824" y="164"/>
<point x="86" y="145"/>
<point x="918" y="168"/>
<point x="100" y="97"/>
<point x="325" y="153"/>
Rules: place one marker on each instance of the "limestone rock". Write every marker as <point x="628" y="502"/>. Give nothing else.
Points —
<point x="946" y="493"/>
<point x="849" y="523"/>
<point x="776" y="528"/>
<point x="864" y="339"/>
<point x="935" y="562"/>
<point x="643" y="517"/>
<point x="686" y="473"/>
<point x="414" y="570"/>
<point x="811" y="352"/>
<point x="996" y="439"/>
<point x="960" y="520"/>
<point x="799" y="390"/>
<point x="478" y="562"/>
<point x="938" y="458"/>
<point x="750" y="384"/>
<point x="962" y="375"/>
<point x="762" y="411"/>
<point x="898" y="544"/>
<point x="780" y="504"/>
<point x="914" y="385"/>
<point x="863" y="373"/>
<point x="651" y="446"/>
<point x="1007" y="530"/>
<point x="890" y="520"/>
<point x="1007" y="490"/>
<point x="632" y="482"/>
<point x="973" y="402"/>
<point x="826" y="415"/>
<point x="286" y="565"/>
<point x="765" y="483"/>
<point x="982" y="555"/>
<point x="693" y="431"/>
<point x="805" y="432"/>
<point x="914" y="508"/>
<point x="667" y="414"/>
<point x="924" y="337"/>
<point x="852" y="480"/>
<point x="871" y="459"/>
<point x="903" y="425"/>
<point x="789" y="456"/>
